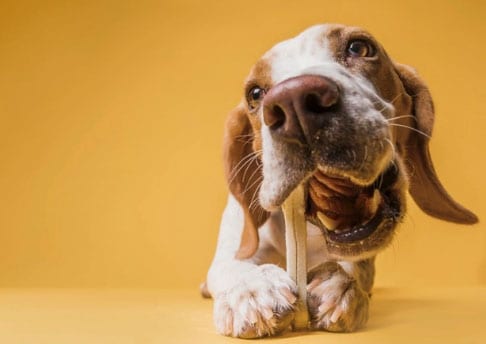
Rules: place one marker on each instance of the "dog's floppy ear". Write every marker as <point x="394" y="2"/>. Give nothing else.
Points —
<point x="243" y="174"/>
<point x="425" y="187"/>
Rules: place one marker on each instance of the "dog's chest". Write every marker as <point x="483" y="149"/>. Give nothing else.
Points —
<point x="272" y="238"/>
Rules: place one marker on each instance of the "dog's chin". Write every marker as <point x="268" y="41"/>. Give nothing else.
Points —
<point x="274" y="191"/>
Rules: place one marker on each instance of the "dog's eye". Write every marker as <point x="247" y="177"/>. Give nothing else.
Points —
<point x="254" y="96"/>
<point x="360" y="48"/>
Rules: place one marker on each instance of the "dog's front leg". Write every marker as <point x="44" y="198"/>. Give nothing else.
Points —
<point x="250" y="300"/>
<point x="339" y="295"/>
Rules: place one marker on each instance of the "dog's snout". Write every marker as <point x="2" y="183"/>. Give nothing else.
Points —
<point x="294" y="108"/>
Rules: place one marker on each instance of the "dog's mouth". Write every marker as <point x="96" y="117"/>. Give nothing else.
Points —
<point x="347" y="212"/>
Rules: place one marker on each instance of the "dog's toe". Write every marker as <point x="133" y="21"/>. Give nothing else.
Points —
<point x="336" y="302"/>
<point x="261" y="304"/>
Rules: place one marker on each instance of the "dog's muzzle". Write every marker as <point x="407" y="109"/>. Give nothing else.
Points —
<point x="307" y="115"/>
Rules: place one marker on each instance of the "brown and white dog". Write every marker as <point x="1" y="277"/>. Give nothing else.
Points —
<point x="329" y="110"/>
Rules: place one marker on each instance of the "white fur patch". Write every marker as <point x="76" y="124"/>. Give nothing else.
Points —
<point x="291" y="57"/>
<point x="260" y="302"/>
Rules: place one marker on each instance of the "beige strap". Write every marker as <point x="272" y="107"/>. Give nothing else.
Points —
<point x="296" y="241"/>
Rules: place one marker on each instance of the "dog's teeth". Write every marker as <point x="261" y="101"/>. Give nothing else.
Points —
<point x="327" y="221"/>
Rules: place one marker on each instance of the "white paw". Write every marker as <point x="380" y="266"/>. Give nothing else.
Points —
<point x="336" y="302"/>
<point x="260" y="303"/>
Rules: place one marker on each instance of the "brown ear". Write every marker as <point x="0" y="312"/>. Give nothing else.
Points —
<point x="425" y="187"/>
<point x="243" y="173"/>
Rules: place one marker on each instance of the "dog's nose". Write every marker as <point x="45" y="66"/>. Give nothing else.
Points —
<point x="297" y="107"/>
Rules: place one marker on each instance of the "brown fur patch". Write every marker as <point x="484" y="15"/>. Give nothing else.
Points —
<point x="260" y="75"/>
<point x="242" y="151"/>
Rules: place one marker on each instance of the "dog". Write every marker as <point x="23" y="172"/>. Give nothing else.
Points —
<point x="329" y="110"/>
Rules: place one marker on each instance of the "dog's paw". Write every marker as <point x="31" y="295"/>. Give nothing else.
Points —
<point x="336" y="302"/>
<point x="261" y="304"/>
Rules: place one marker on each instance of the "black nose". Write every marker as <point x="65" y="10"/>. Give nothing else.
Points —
<point x="297" y="107"/>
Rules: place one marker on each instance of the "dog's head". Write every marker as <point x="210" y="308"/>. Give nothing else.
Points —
<point x="330" y="110"/>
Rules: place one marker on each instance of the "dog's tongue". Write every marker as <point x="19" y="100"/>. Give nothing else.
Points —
<point x="340" y="204"/>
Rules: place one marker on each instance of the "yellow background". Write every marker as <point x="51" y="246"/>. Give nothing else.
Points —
<point x="111" y="119"/>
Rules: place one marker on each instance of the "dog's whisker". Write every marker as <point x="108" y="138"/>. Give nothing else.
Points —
<point x="410" y="128"/>
<point x="382" y="147"/>
<point x="245" y="161"/>
<point x="255" y="159"/>
<point x="399" y="117"/>
<point x="257" y="180"/>
<point x="254" y="198"/>
<point x="385" y="105"/>
<point x="396" y="97"/>
<point x="365" y="156"/>
<point x="254" y="182"/>
<point x="254" y="205"/>
<point x="236" y="171"/>
<point x="382" y="109"/>
<point x="380" y="184"/>
<point x="394" y="152"/>
<point x="245" y="138"/>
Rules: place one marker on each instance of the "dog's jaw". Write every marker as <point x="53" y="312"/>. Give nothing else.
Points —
<point x="358" y="240"/>
<point x="383" y="208"/>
